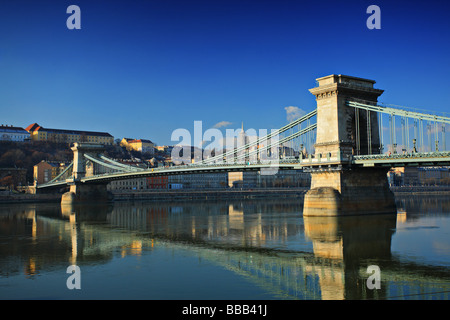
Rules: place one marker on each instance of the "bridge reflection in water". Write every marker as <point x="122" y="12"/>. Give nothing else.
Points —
<point x="267" y="243"/>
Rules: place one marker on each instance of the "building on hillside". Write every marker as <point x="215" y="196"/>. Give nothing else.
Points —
<point x="167" y="150"/>
<point x="124" y="142"/>
<point x="11" y="133"/>
<point x="45" y="171"/>
<point x="141" y="145"/>
<point x="38" y="133"/>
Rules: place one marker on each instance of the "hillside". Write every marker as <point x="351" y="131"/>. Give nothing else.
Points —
<point x="27" y="154"/>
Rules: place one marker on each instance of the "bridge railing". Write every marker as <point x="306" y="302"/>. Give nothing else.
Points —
<point x="325" y="159"/>
<point x="405" y="155"/>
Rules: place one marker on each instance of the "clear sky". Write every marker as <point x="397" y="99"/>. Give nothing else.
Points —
<point x="143" y="68"/>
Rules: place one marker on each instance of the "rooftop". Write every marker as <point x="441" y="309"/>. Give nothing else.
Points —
<point x="37" y="127"/>
<point x="6" y="128"/>
<point x="139" y="140"/>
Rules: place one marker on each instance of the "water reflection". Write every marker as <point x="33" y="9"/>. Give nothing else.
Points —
<point x="267" y="242"/>
<point x="345" y="243"/>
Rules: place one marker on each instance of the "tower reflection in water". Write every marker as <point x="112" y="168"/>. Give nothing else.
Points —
<point x="344" y="246"/>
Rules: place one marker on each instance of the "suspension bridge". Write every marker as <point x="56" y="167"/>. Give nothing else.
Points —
<point x="348" y="143"/>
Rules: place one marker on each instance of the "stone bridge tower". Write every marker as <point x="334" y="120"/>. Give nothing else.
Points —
<point x="337" y="187"/>
<point x="79" y="191"/>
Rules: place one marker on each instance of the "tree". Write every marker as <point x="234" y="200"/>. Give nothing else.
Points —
<point x="12" y="158"/>
<point x="7" y="181"/>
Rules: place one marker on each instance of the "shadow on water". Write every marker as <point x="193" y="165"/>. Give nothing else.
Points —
<point x="267" y="242"/>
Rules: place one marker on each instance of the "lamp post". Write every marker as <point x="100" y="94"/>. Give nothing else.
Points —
<point x="414" y="146"/>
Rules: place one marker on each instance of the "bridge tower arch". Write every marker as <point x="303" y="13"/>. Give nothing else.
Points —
<point x="80" y="191"/>
<point x="342" y="131"/>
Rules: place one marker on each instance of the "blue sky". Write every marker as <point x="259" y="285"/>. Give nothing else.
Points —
<point x="142" y="69"/>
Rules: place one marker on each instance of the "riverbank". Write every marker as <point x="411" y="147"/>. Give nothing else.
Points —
<point x="418" y="190"/>
<point x="171" y="195"/>
<point x="29" y="198"/>
<point x="225" y="194"/>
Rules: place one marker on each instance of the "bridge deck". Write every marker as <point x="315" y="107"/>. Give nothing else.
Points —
<point x="394" y="160"/>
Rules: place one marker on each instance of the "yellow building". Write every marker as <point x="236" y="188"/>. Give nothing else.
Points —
<point x="141" y="145"/>
<point x="124" y="143"/>
<point x="45" y="171"/>
<point x="38" y="133"/>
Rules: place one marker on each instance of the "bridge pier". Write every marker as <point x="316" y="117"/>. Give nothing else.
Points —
<point x="84" y="192"/>
<point x="337" y="186"/>
<point x="81" y="192"/>
<point x="349" y="191"/>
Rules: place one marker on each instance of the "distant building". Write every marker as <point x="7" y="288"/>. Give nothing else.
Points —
<point x="124" y="142"/>
<point x="38" y="133"/>
<point x="138" y="184"/>
<point x="434" y="176"/>
<point x="158" y="182"/>
<point x="11" y="133"/>
<point x="404" y="176"/>
<point x="45" y="171"/>
<point x="216" y="180"/>
<point x="280" y="179"/>
<point x="141" y="145"/>
<point x="165" y="149"/>
<point x="423" y="176"/>
<point x="286" y="152"/>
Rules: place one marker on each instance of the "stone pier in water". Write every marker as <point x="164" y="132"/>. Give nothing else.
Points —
<point x="337" y="187"/>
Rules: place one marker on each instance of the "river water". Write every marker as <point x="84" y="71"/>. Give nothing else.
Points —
<point x="237" y="249"/>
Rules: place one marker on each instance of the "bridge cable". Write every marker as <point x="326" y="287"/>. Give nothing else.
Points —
<point x="119" y="164"/>
<point x="264" y="138"/>
<point x="283" y="140"/>
<point x="98" y="161"/>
